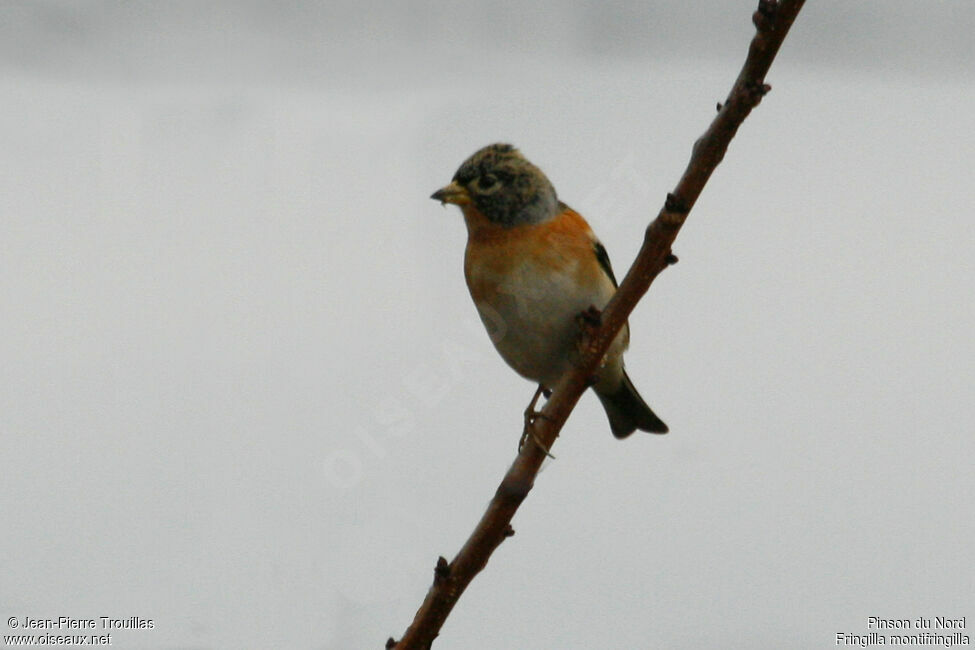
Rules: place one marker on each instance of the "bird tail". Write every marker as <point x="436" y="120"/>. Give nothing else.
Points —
<point x="628" y="412"/>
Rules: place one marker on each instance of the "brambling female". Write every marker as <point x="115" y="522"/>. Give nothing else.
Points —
<point x="533" y="266"/>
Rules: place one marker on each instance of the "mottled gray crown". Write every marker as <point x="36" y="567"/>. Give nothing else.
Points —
<point x="506" y="188"/>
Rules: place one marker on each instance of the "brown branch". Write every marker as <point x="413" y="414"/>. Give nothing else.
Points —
<point x="772" y="21"/>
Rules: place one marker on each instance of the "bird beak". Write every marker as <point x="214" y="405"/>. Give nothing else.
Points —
<point x="453" y="193"/>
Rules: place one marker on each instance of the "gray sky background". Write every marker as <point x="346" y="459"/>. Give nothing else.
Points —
<point x="244" y="392"/>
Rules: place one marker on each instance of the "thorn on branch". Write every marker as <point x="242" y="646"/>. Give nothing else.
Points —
<point x="592" y="317"/>
<point x="509" y="531"/>
<point x="671" y="259"/>
<point x="753" y="91"/>
<point x="765" y="14"/>
<point x="391" y="643"/>
<point x="442" y="570"/>
<point x="675" y="204"/>
<point x="719" y="106"/>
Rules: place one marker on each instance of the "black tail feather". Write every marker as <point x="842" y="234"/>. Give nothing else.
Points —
<point x="628" y="412"/>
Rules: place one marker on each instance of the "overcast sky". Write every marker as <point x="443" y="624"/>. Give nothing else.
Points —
<point x="244" y="392"/>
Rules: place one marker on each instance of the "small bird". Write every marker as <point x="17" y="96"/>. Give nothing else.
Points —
<point x="533" y="266"/>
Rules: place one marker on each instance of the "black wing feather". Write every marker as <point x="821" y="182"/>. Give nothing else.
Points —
<point x="603" y="258"/>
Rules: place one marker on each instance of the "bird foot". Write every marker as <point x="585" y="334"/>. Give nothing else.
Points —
<point x="531" y="415"/>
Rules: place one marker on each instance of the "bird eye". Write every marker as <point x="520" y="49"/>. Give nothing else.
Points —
<point x="487" y="182"/>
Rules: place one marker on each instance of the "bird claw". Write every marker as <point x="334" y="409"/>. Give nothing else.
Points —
<point x="529" y="432"/>
<point x="530" y="416"/>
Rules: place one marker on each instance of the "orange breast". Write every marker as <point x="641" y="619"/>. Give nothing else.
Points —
<point x="494" y="251"/>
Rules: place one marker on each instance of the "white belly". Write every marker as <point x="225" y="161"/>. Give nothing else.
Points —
<point x="532" y="320"/>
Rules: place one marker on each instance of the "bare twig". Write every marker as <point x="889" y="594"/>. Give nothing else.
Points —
<point x="772" y="21"/>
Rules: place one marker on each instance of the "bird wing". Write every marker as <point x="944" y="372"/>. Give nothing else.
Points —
<point x="603" y="258"/>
